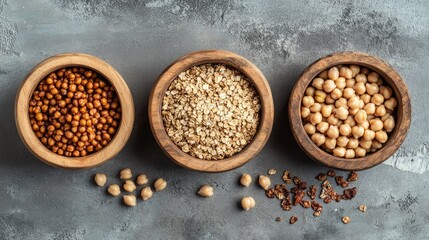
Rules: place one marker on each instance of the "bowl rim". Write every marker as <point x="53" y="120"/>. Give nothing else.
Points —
<point x="204" y="57"/>
<point x="40" y="71"/>
<point x="393" y="79"/>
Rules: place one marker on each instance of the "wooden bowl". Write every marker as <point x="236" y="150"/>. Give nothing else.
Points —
<point x="391" y="78"/>
<point x="204" y="57"/>
<point x="56" y="62"/>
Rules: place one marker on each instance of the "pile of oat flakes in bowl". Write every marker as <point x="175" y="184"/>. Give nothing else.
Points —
<point x="211" y="111"/>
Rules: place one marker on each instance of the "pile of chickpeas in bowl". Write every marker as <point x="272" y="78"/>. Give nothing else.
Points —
<point x="348" y="111"/>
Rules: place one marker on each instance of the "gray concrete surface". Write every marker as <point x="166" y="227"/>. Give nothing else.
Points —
<point x="140" y="39"/>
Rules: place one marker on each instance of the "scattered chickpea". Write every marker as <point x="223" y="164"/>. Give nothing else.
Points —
<point x="205" y="191"/>
<point x="160" y="184"/>
<point x="130" y="200"/>
<point x="142" y="179"/>
<point x="248" y="203"/>
<point x="146" y="193"/>
<point x="125" y="174"/>
<point x="129" y="186"/>
<point x="114" y="190"/>
<point x="245" y="179"/>
<point x="100" y="179"/>
<point x="264" y="182"/>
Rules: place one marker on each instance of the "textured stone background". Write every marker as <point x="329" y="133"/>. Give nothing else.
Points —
<point x="140" y="39"/>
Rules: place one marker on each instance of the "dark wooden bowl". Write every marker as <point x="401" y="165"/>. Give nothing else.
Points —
<point x="204" y="57"/>
<point x="31" y="81"/>
<point x="390" y="76"/>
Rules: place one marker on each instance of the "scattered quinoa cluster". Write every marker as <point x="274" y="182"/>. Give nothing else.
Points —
<point x="211" y="111"/>
<point x="74" y="112"/>
<point x="348" y="111"/>
<point x="129" y="186"/>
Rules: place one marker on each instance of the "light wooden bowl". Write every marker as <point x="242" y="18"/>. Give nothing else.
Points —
<point x="56" y="62"/>
<point x="205" y="57"/>
<point x="391" y="78"/>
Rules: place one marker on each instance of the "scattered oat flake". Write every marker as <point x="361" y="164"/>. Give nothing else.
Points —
<point x="362" y="208"/>
<point x="272" y="171"/>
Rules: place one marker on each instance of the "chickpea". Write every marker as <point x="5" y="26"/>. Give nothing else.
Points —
<point x="353" y="102"/>
<point x="318" y="83"/>
<point x="333" y="73"/>
<point x="386" y="92"/>
<point x="305" y="112"/>
<point x="125" y="174"/>
<point x="373" y="77"/>
<point x="316" y="107"/>
<point x="146" y="193"/>
<point x="336" y="94"/>
<point x="346" y="72"/>
<point x="352" y="112"/>
<point x="368" y="135"/>
<point x="206" y="191"/>
<point x="142" y="179"/>
<point x="360" y="88"/>
<point x="264" y="182"/>
<point x="330" y="143"/>
<point x="309" y="128"/>
<point x="129" y="186"/>
<point x="318" y="139"/>
<point x="345" y="129"/>
<point x="333" y="132"/>
<point x="386" y="116"/>
<point x="315" y="118"/>
<point x="326" y="110"/>
<point x="320" y="96"/>
<point x="329" y="100"/>
<point x="381" y="136"/>
<point x="130" y="200"/>
<point x="342" y="141"/>
<point x="114" y="190"/>
<point x="369" y="108"/>
<point x="100" y="179"/>
<point x="380" y="111"/>
<point x="366" y="98"/>
<point x="247" y="203"/>
<point x="322" y="127"/>
<point x="323" y="74"/>
<point x="310" y="91"/>
<point x="245" y="180"/>
<point x="360" y="116"/>
<point x="340" y="83"/>
<point x="364" y="71"/>
<point x="389" y="124"/>
<point x="355" y="70"/>
<point x="341" y="113"/>
<point x="364" y="124"/>
<point x="360" y="152"/>
<point x="365" y="144"/>
<point x="160" y="184"/>
<point x="348" y="92"/>
<point x="372" y="88"/>
<point x="361" y="78"/>
<point x="376" y="124"/>
<point x="329" y="85"/>
<point x="350" y="121"/>
<point x="350" y="153"/>
<point x="353" y="143"/>
<point x="377" y="99"/>
<point x="339" y="152"/>
<point x="350" y="83"/>
<point x="307" y="101"/>
<point x="332" y="120"/>
<point x="341" y="102"/>
<point x="391" y="103"/>
<point x="376" y="144"/>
